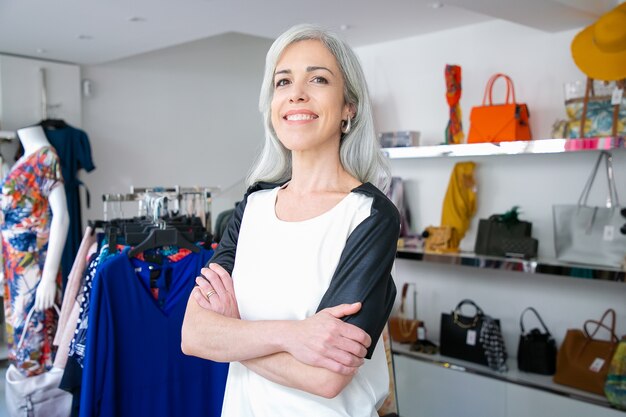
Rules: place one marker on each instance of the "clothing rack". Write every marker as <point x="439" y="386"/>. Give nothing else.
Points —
<point x="176" y="194"/>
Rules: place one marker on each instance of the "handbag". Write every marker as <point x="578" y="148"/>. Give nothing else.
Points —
<point x="615" y="386"/>
<point x="499" y="122"/>
<point x="536" y="351"/>
<point x="504" y="233"/>
<point x="39" y="395"/>
<point x="582" y="361"/>
<point x="460" y="334"/>
<point x="587" y="234"/>
<point x="440" y="239"/>
<point x="594" y="114"/>
<point x="403" y="329"/>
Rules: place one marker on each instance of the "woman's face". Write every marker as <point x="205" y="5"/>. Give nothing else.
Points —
<point x="308" y="103"/>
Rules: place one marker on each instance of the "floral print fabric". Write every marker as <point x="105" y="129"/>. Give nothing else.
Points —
<point x="25" y="217"/>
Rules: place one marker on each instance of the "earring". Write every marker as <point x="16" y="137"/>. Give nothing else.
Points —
<point x="346" y="125"/>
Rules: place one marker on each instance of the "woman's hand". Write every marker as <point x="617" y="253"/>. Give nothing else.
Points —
<point x="215" y="291"/>
<point x="323" y="340"/>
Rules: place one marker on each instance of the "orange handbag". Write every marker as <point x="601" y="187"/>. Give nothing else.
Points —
<point x="499" y="122"/>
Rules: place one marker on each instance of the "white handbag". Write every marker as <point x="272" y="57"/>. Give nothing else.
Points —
<point x="39" y="395"/>
<point x="589" y="234"/>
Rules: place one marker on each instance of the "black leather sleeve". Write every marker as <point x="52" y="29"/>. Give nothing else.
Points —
<point x="364" y="270"/>
<point x="227" y="249"/>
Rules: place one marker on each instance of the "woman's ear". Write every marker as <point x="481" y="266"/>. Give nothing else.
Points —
<point x="351" y="109"/>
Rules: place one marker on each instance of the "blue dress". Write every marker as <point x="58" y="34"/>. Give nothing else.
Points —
<point x="133" y="364"/>
<point x="72" y="146"/>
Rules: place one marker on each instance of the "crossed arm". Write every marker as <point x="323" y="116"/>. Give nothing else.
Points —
<point x="319" y="355"/>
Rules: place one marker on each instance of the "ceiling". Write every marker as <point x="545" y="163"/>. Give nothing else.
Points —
<point x="97" y="31"/>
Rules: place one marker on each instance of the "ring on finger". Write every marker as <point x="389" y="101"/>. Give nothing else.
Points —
<point x="210" y="293"/>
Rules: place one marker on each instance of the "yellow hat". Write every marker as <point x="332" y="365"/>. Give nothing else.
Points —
<point x="599" y="50"/>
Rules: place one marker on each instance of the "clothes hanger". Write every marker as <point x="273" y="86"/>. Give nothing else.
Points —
<point x="158" y="238"/>
<point x="162" y="235"/>
<point x="53" y="124"/>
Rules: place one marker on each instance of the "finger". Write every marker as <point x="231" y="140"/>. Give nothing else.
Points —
<point x="352" y="347"/>
<point x="345" y="358"/>
<point x="216" y="282"/>
<point x="343" y="310"/>
<point x="200" y="298"/>
<point x="204" y="285"/>
<point x="352" y="332"/>
<point x="334" y="366"/>
<point x="227" y="280"/>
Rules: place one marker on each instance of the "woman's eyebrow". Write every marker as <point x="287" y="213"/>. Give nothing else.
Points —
<point x="308" y="69"/>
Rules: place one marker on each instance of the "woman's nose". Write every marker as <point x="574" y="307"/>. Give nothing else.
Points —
<point x="298" y="94"/>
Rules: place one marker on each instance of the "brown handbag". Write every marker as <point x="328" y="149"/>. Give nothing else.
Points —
<point x="403" y="329"/>
<point x="583" y="362"/>
<point x="499" y="122"/>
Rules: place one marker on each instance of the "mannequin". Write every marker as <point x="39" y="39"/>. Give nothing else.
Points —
<point x="34" y="228"/>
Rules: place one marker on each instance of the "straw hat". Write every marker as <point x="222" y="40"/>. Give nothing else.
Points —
<point x="599" y="50"/>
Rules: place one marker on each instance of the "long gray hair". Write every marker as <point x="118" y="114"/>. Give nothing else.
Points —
<point x="360" y="152"/>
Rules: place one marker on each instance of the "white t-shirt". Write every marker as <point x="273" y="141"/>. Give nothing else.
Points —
<point x="282" y="270"/>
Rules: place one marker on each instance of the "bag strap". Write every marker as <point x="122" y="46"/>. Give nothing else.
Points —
<point x="510" y="89"/>
<point x="583" y="117"/>
<point x="521" y="321"/>
<point x="29" y="316"/>
<point x="613" y="199"/>
<point x="600" y="324"/>
<point x="405" y="290"/>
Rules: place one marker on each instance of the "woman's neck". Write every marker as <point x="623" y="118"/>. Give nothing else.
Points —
<point x="315" y="173"/>
<point x="32" y="138"/>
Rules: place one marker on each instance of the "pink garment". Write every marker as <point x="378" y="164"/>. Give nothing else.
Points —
<point x="67" y="319"/>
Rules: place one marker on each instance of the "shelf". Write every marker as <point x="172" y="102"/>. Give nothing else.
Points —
<point x="542" y="146"/>
<point x="550" y="267"/>
<point x="514" y="376"/>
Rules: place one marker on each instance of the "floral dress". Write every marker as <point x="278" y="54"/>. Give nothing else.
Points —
<point x="25" y="217"/>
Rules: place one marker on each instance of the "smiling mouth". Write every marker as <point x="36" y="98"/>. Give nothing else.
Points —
<point x="296" y="117"/>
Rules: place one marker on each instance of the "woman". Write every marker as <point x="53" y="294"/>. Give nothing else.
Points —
<point x="315" y="241"/>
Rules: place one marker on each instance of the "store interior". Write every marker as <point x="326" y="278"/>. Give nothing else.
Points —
<point x="185" y="113"/>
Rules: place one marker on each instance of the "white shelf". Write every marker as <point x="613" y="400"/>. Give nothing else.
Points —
<point x="514" y="376"/>
<point x="542" y="146"/>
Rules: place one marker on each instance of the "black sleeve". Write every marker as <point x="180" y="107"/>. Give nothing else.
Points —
<point x="364" y="270"/>
<point x="225" y="253"/>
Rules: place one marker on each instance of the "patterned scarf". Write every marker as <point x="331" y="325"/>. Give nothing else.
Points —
<point x="454" y="130"/>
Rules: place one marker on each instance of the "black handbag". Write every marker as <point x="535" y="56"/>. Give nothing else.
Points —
<point x="460" y="334"/>
<point x="504" y="233"/>
<point x="536" y="351"/>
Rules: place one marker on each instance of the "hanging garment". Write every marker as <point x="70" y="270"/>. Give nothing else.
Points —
<point x="134" y="365"/>
<point x="459" y="204"/>
<point x="25" y="218"/>
<point x="454" y="130"/>
<point x="72" y="146"/>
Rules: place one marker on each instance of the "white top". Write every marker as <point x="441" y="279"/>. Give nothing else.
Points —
<point x="282" y="270"/>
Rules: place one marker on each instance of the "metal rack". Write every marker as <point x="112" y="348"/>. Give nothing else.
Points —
<point x="176" y="194"/>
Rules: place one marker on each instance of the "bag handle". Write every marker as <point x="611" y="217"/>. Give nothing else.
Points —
<point x="521" y="321"/>
<point x="28" y="318"/>
<point x="405" y="290"/>
<point x="589" y="92"/>
<point x="457" y="311"/>
<point x="510" y="89"/>
<point x="613" y="199"/>
<point x="600" y="324"/>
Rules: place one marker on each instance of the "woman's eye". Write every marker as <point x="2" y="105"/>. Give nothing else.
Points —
<point x="281" y="82"/>
<point x="320" y="80"/>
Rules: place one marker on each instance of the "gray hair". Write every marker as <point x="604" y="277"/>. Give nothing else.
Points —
<point x="359" y="151"/>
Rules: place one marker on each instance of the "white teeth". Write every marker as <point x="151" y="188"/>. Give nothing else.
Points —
<point x="301" y="117"/>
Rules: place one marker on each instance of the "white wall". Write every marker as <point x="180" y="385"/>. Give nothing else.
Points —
<point x="185" y="115"/>
<point x="406" y="80"/>
<point x="407" y="84"/>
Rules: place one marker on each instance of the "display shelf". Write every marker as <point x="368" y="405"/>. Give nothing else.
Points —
<point x="550" y="267"/>
<point x="513" y="375"/>
<point x="541" y="146"/>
